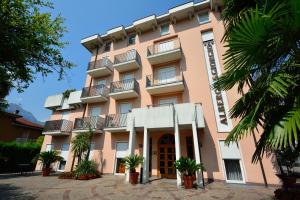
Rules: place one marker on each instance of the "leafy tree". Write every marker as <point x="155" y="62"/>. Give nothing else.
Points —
<point x="30" y="43"/>
<point x="263" y="59"/>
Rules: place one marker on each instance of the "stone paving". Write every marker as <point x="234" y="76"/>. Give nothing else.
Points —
<point x="114" y="188"/>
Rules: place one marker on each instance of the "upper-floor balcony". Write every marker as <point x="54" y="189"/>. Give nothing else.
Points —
<point x="127" y="61"/>
<point x="93" y="94"/>
<point x="116" y="122"/>
<point x="84" y="124"/>
<point x="164" y="51"/>
<point x="58" y="127"/>
<point x="164" y="83"/>
<point x="124" y="89"/>
<point x="98" y="68"/>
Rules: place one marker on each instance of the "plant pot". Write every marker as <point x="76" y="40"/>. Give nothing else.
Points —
<point x="46" y="171"/>
<point x="84" y="177"/>
<point x="133" y="177"/>
<point x="288" y="181"/>
<point x="188" y="182"/>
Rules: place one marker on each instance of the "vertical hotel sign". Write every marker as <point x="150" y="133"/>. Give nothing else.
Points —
<point x="219" y="98"/>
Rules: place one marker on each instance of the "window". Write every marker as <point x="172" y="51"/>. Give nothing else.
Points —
<point x="203" y="18"/>
<point x="95" y="111"/>
<point x="107" y="46"/>
<point x="167" y="101"/>
<point x="121" y="152"/>
<point x="166" y="75"/>
<point x="164" y="29"/>
<point x="166" y="46"/>
<point x="131" y="39"/>
<point x="233" y="170"/>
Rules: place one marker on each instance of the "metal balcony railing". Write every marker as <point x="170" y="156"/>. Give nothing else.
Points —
<point x="163" y="47"/>
<point x="156" y="81"/>
<point x="116" y="120"/>
<point x="87" y="122"/>
<point x="96" y="90"/>
<point x="128" y="56"/>
<point x="124" y="85"/>
<point x="102" y="63"/>
<point x="61" y="125"/>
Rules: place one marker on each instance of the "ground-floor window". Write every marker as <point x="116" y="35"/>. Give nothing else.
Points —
<point x="120" y="168"/>
<point x="233" y="170"/>
<point x="62" y="165"/>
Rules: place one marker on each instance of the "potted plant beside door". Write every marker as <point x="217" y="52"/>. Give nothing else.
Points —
<point x="187" y="168"/>
<point x="47" y="158"/>
<point x="131" y="163"/>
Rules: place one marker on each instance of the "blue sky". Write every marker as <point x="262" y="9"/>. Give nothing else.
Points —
<point x="84" y="18"/>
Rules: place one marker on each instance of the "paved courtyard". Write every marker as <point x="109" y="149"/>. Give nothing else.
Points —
<point x="113" y="187"/>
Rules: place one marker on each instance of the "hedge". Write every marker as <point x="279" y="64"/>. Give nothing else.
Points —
<point x="12" y="154"/>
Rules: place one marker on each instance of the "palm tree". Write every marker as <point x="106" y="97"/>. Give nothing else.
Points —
<point x="80" y="144"/>
<point x="263" y="59"/>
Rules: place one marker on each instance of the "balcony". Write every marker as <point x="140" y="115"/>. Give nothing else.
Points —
<point x="83" y="124"/>
<point x="116" y="122"/>
<point x="58" y="127"/>
<point x="165" y="51"/>
<point x="102" y="67"/>
<point x="155" y="85"/>
<point x="93" y="94"/>
<point x="130" y="60"/>
<point x="124" y="89"/>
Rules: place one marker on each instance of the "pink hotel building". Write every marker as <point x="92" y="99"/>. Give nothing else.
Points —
<point x="148" y="92"/>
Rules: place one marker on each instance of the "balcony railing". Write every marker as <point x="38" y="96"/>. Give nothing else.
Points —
<point x="61" y="125"/>
<point x="96" y="90"/>
<point x="116" y="120"/>
<point x="128" y="56"/>
<point x="124" y="85"/>
<point x="156" y="81"/>
<point x="102" y="63"/>
<point x="163" y="47"/>
<point x="87" y="122"/>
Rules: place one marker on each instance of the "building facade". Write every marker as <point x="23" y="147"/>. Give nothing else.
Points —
<point x="13" y="127"/>
<point x="148" y="92"/>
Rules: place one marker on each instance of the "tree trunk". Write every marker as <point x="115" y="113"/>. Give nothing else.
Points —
<point x="91" y="133"/>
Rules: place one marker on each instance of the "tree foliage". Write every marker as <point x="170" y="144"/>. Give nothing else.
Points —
<point x="263" y="59"/>
<point x="30" y="43"/>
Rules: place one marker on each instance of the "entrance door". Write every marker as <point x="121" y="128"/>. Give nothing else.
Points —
<point x="166" y="156"/>
<point x="166" y="75"/>
<point x="121" y="152"/>
<point x="124" y="109"/>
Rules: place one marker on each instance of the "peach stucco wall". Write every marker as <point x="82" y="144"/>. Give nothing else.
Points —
<point x="197" y="89"/>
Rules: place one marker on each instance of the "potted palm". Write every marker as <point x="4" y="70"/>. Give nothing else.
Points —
<point x="86" y="170"/>
<point x="131" y="163"/>
<point x="287" y="158"/>
<point x="187" y="168"/>
<point x="47" y="158"/>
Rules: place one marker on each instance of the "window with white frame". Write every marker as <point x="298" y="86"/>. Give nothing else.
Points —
<point x="121" y="152"/>
<point x="203" y="18"/>
<point x="232" y="162"/>
<point x="164" y="29"/>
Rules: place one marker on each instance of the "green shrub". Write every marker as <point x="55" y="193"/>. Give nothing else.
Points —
<point x="86" y="168"/>
<point x="187" y="166"/>
<point x="13" y="153"/>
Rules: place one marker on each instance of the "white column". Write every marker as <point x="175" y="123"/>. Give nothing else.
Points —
<point x="197" y="153"/>
<point x="146" y="156"/>
<point x="177" y="149"/>
<point x="131" y="145"/>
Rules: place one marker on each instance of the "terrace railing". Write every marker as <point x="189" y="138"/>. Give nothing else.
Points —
<point x="127" y="56"/>
<point x="96" y="90"/>
<point x="102" y="63"/>
<point x="85" y="123"/>
<point x="163" y="47"/>
<point x="124" y="85"/>
<point x="61" y="125"/>
<point x="116" y="120"/>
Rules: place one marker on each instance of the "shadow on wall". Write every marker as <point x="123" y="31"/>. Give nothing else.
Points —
<point x="208" y="153"/>
<point x="9" y="191"/>
<point x="99" y="144"/>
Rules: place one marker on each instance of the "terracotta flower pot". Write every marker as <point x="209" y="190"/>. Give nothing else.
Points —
<point x="188" y="182"/>
<point x="133" y="177"/>
<point x="84" y="177"/>
<point x="288" y="181"/>
<point x="46" y="171"/>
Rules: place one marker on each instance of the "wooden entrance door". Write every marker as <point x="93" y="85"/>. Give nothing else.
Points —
<point x="166" y="156"/>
